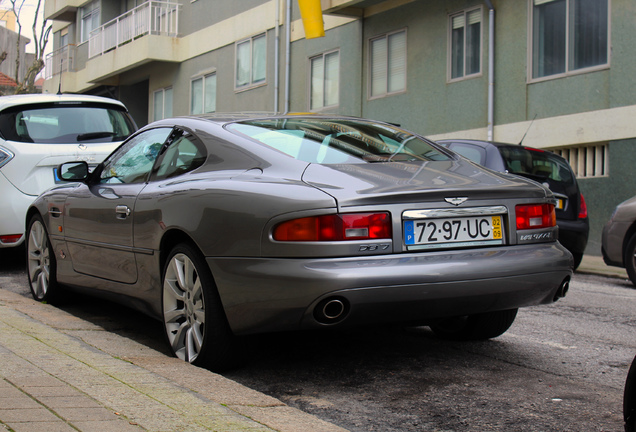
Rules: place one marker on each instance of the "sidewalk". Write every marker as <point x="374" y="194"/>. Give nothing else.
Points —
<point x="60" y="373"/>
<point x="595" y="265"/>
<point x="52" y="380"/>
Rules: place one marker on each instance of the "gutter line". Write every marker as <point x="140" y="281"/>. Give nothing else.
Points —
<point x="491" y="69"/>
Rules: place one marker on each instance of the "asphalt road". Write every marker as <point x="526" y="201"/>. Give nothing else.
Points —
<point x="559" y="368"/>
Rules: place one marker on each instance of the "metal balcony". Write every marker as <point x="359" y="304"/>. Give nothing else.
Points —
<point x="153" y="17"/>
<point x="60" y="60"/>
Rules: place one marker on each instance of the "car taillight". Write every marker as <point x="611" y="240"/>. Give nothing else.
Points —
<point x="11" y="238"/>
<point x="339" y="227"/>
<point x="534" y="216"/>
<point x="582" y="208"/>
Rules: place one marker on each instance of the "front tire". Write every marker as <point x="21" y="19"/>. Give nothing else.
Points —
<point x="630" y="259"/>
<point x="41" y="264"/>
<point x="194" y="319"/>
<point x="475" y="327"/>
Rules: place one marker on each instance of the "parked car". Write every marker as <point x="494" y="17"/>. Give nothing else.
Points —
<point x="618" y="242"/>
<point x="229" y="225"/>
<point x="37" y="133"/>
<point x="542" y="166"/>
<point x="629" y="399"/>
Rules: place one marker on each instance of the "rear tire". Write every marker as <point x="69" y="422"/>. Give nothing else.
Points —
<point x="194" y="320"/>
<point x="630" y="259"/>
<point x="41" y="263"/>
<point x="475" y="327"/>
<point x="629" y="399"/>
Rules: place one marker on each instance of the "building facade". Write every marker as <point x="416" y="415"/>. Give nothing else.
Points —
<point x="557" y="74"/>
<point x="12" y="51"/>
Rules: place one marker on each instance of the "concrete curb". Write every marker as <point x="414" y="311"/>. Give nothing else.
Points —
<point x="592" y="264"/>
<point x="53" y="380"/>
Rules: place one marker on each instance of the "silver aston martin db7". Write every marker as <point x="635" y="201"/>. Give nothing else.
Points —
<point x="229" y="225"/>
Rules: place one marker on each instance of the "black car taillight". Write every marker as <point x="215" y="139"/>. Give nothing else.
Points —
<point x="582" y="208"/>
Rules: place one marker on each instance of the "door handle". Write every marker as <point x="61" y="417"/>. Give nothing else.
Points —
<point x="122" y="211"/>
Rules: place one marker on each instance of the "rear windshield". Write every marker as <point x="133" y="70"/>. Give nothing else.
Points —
<point x="538" y="164"/>
<point x="338" y="141"/>
<point x="63" y="124"/>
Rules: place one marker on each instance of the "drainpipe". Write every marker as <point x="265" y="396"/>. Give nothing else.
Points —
<point x="287" y="53"/>
<point x="491" y="69"/>
<point x="276" y="55"/>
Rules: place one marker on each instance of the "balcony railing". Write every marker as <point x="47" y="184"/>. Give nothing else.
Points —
<point x="60" y="60"/>
<point x="152" y="17"/>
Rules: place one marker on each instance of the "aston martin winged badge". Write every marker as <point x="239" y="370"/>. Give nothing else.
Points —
<point x="456" y="200"/>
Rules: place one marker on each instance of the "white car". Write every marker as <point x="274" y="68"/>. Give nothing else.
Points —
<point x="40" y="131"/>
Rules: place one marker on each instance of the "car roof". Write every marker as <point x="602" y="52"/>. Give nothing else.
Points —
<point x="227" y="117"/>
<point x="486" y="144"/>
<point x="27" y="99"/>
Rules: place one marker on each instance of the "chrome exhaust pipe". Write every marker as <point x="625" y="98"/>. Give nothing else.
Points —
<point x="562" y="290"/>
<point x="331" y="310"/>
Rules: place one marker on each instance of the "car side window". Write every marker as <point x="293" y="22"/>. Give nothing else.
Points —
<point x="185" y="153"/>
<point x="133" y="162"/>
<point x="471" y="152"/>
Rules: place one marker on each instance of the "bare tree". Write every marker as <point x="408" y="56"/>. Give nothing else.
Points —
<point x="41" y="32"/>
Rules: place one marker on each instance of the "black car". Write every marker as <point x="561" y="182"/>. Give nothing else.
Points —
<point x="543" y="167"/>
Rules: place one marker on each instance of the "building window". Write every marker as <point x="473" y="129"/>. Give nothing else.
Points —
<point x="587" y="161"/>
<point x="387" y="59"/>
<point x="90" y="19"/>
<point x="203" y="94"/>
<point x="162" y="104"/>
<point x="64" y="37"/>
<point x="465" y="44"/>
<point x="251" y="56"/>
<point x="569" y="36"/>
<point x="325" y="80"/>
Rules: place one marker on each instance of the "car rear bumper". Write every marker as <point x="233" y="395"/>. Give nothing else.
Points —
<point x="13" y="208"/>
<point x="411" y="287"/>
<point x="574" y="234"/>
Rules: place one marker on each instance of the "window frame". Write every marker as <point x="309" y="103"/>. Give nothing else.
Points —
<point x="251" y="83"/>
<point x="370" y="65"/>
<point x="465" y="13"/>
<point x="89" y="12"/>
<point x="311" y="59"/>
<point x="569" y="45"/>
<point x="163" y="92"/>
<point x="203" y="77"/>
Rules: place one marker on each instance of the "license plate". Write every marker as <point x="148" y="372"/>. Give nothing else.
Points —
<point x="560" y="204"/>
<point x="453" y="232"/>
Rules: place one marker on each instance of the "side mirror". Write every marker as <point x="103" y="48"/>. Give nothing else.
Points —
<point x="73" y="171"/>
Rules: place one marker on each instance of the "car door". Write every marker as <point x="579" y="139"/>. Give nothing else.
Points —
<point x="98" y="222"/>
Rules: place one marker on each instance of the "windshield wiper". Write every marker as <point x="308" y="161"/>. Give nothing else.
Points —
<point x="94" y="135"/>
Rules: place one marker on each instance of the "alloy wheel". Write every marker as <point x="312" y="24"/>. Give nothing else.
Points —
<point x="184" y="307"/>
<point x="39" y="262"/>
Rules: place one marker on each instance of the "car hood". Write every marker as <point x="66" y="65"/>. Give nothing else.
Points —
<point x="397" y="182"/>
